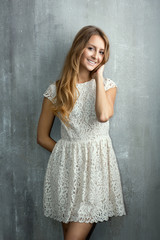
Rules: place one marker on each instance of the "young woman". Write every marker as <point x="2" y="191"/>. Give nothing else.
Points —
<point x="82" y="183"/>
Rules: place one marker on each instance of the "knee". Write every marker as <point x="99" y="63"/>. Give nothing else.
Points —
<point x="73" y="237"/>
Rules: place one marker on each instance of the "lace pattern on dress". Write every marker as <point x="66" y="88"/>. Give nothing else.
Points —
<point x="82" y="181"/>
<point x="50" y="93"/>
<point x="108" y="83"/>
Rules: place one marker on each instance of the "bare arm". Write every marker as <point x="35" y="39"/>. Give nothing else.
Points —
<point x="45" y="123"/>
<point x="104" y="105"/>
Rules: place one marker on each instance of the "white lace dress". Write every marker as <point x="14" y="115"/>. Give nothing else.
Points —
<point x="82" y="181"/>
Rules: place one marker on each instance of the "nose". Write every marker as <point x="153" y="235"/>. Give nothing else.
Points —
<point x="95" y="55"/>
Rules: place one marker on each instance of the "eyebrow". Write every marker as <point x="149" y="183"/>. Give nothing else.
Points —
<point x="95" y="46"/>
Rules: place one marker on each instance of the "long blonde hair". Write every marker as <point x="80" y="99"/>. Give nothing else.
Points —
<point x="66" y="94"/>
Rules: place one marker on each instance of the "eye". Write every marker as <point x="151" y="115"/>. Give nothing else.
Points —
<point x="90" y="48"/>
<point x="102" y="53"/>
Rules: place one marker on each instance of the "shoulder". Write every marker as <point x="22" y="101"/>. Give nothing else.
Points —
<point x="109" y="83"/>
<point x="50" y="92"/>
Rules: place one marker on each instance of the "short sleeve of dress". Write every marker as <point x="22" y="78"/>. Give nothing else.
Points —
<point x="50" y="93"/>
<point x="108" y="83"/>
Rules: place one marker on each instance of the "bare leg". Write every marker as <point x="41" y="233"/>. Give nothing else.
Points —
<point x="77" y="231"/>
<point x="65" y="227"/>
<point x="91" y="231"/>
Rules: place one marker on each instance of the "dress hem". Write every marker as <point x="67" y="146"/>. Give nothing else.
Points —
<point x="84" y="221"/>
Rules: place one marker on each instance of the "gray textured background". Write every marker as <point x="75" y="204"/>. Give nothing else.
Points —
<point x="35" y="37"/>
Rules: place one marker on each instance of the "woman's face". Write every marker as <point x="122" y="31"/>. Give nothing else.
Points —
<point x="93" y="53"/>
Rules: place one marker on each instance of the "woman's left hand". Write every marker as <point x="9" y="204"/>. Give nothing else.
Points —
<point x="98" y="73"/>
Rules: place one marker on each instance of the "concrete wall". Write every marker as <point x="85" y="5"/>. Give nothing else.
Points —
<point x="35" y="37"/>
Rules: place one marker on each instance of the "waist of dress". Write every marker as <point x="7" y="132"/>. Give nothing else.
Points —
<point x="89" y="139"/>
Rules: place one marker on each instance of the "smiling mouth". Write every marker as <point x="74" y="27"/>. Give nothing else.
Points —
<point x="91" y="62"/>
